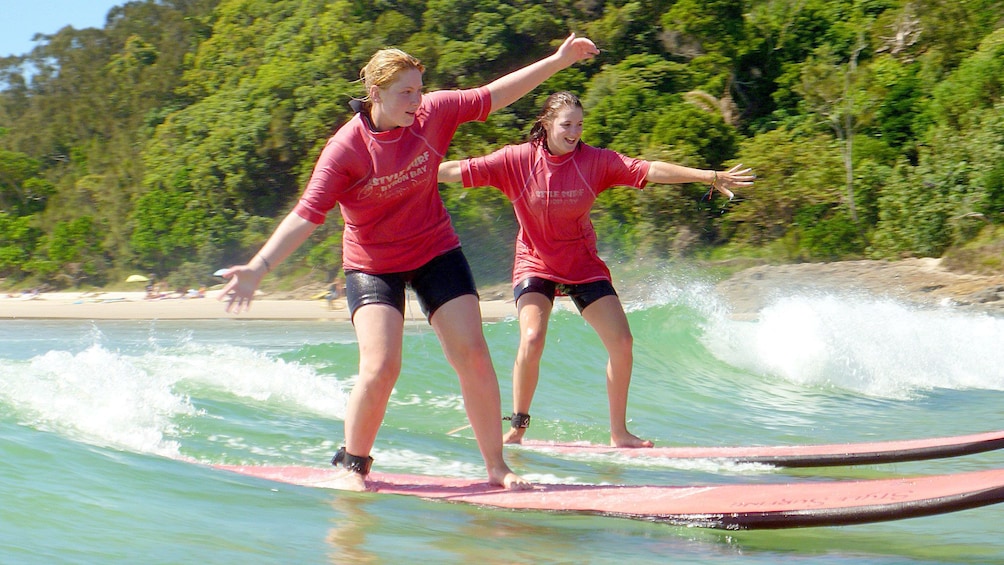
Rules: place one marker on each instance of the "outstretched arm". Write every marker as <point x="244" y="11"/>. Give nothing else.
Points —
<point x="449" y="171"/>
<point x="669" y="173"/>
<point x="244" y="279"/>
<point x="511" y="87"/>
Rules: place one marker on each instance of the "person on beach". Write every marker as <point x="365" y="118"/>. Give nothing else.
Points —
<point x="552" y="181"/>
<point x="334" y="291"/>
<point x="380" y="168"/>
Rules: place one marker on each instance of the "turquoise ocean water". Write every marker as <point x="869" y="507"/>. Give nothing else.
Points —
<point x="100" y="420"/>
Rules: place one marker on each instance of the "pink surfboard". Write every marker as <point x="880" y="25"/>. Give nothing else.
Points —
<point x="735" y="507"/>
<point x="800" y="455"/>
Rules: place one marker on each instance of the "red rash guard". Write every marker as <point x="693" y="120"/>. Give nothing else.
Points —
<point x="552" y="197"/>
<point x="385" y="184"/>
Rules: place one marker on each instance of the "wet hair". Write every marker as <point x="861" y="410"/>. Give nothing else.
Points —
<point x="384" y="67"/>
<point x="554" y="104"/>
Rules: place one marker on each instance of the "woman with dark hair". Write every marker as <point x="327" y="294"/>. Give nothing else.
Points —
<point x="380" y="169"/>
<point x="552" y="181"/>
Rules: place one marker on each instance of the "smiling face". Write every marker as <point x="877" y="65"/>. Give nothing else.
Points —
<point x="395" y="104"/>
<point x="564" y="130"/>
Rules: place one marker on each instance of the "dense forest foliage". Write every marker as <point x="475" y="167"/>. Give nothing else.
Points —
<point x="173" y="139"/>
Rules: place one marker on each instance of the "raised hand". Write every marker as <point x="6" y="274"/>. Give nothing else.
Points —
<point x="575" y="49"/>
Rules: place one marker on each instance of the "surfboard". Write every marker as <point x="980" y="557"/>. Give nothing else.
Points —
<point x="732" y="506"/>
<point x="799" y="455"/>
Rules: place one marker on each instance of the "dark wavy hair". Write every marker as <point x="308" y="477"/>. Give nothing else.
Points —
<point x="552" y="106"/>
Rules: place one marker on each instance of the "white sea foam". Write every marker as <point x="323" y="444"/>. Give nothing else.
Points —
<point x="876" y="347"/>
<point x="96" y="396"/>
<point x="254" y="376"/>
<point x="133" y="401"/>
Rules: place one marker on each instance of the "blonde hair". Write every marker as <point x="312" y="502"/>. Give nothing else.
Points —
<point x="554" y="104"/>
<point x="385" y="65"/>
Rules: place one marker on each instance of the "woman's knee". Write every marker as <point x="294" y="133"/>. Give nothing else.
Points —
<point x="621" y="343"/>
<point x="532" y="341"/>
<point x="468" y="352"/>
<point x="379" y="371"/>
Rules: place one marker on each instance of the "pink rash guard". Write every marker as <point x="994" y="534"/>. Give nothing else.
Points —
<point x="552" y="196"/>
<point x="385" y="184"/>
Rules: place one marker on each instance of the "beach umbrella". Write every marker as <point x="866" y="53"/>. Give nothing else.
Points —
<point x="137" y="278"/>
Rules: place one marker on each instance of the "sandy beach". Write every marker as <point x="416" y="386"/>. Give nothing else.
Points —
<point x="921" y="281"/>
<point x="134" y="306"/>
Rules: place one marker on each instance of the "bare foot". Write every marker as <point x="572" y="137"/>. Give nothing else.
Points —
<point x="630" y="440"/>
<point x="514" y="435"/>
<point x="344" y="479"/>
<point x="511" y="481"/>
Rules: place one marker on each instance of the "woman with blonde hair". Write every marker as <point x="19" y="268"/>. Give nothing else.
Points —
<point x="380" y="169"/>
<point x="552" y="181"/>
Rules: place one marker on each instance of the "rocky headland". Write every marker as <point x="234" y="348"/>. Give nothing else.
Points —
<point x="920" y="281"/>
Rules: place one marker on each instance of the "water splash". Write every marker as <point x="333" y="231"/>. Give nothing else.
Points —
<point x="95" y="396"/>
<point x="876" y="347"/>
<point x="238" y="371"/>
<point x="134" y="401"/>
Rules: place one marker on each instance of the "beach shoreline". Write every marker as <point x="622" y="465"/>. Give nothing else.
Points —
<point x="135" y="306"/>
<point x="923" y="281"/>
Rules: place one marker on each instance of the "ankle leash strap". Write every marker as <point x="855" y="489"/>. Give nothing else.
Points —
<point x="351" y="462"/>
<point x="518" y="420"/>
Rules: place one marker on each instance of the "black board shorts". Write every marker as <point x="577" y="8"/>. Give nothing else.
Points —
<point x="582" y="295"/>
<point x="439" y="281"/>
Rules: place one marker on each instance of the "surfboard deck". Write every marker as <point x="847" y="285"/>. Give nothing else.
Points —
<point x="733" y="507"/>
<point x="799" y="455"/>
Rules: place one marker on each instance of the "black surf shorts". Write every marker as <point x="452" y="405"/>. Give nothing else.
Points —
<point x="437" y="282"/>
<point x="582" y="295"/>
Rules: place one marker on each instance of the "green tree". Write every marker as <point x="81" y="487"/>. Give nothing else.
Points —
<point x="17" y="237"/>
<point x="75" y="248"/>
<point x="169" y="224"/>
<point x="183" y="129"/>
<point x="956" y="188"/>
<point x="702" y="138"/>
<point x="837" y="93"/>
<point x="623" y="101"/>
<point x="21" y="191"/>
<point x="794" y="170"/>
<point x="976" y="85"/>
<point x="897" y="88"/>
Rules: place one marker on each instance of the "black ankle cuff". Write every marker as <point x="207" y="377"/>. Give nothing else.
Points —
<point x="351" y="462"/>
<point x="519" y="420"/>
